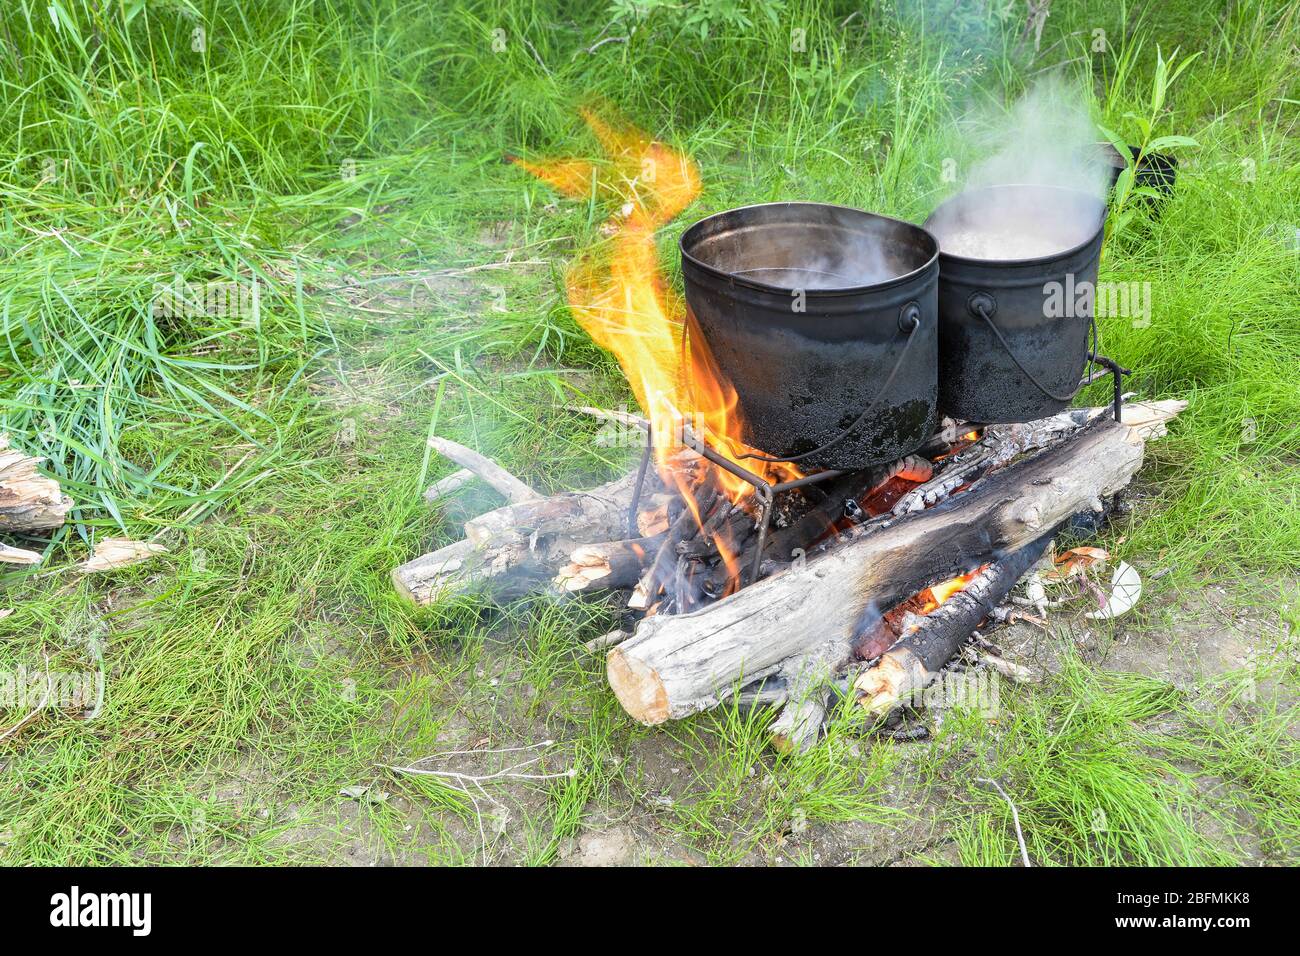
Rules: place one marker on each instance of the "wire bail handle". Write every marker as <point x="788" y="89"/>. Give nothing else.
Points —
<point x="983" y="305"/>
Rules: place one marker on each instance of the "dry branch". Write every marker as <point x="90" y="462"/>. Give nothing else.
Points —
<point x="510" y="487"/>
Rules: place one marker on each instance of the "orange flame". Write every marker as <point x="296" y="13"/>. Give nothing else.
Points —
<point x="937" y="594"/>
<point x="618" y="296"/>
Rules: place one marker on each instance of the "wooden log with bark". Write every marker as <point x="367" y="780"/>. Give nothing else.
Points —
<point x="518" y="549"/>
<point x="607" y="566"/>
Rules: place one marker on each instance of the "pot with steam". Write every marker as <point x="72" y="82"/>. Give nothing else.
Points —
<point x="823" y="320"/>
<point x="1018" y="274"/>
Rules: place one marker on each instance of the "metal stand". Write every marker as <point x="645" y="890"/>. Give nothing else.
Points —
<point x="1117" y="373"/>
<point x="767" y="490"/>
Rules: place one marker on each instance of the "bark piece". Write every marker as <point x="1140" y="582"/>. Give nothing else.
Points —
<point x="113" y="553"/>
<point x="29" y="501"/>
<point x="11" y="555"/>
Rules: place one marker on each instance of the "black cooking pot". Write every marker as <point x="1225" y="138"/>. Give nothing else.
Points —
<point x="1013" y="333"/>
<point x="823" y="320"/>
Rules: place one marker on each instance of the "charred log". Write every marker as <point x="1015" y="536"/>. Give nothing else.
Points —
<point x="912" y="663"/>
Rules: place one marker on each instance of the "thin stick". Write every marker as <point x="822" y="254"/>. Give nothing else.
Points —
<point x="626" y="418"/>
<point x="600" y="43"/>
<point x="510" y="487"/>
<point x="498" y="750"/>
<point x="445" y="486"/>
<point x="1015" y="818"/>
<point x="605" y="641"/>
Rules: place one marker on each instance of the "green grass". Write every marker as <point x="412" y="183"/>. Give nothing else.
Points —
<point x="345" y="158"/>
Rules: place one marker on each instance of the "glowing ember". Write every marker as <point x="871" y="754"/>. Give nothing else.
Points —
<point x="619" y="297"/>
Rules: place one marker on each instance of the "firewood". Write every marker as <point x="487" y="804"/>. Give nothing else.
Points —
<point x="662" y="562"/>
<point x="679" y="665"/>
<point x="510" y="487"/>
<point x="655" y="515"/>
<point x="608" y="565"/>
<point x="29" y="501"/>
<point x="596" y="515"/>
<point x="807" y="678"/>
<point x="916" y="659"/>
<point x="517" y="549"/>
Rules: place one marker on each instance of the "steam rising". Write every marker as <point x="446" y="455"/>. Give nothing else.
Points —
<point x="1046" y="140"/>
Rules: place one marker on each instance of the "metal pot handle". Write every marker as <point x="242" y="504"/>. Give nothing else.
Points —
<point x="909" y="321"/>
<point x="983" y="305"/>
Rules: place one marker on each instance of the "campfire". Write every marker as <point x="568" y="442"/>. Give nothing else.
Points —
<point x="756" y="571"/>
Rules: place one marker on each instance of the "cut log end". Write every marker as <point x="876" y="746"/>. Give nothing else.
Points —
<point x="638" y="688"/>
<point x="898" y="674"/>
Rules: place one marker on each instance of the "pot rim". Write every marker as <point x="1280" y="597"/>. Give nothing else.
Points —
<point x="906" y="277"/>
<point x="1034" y="260"/>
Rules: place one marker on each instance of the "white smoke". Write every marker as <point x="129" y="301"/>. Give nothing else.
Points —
<point x="1046" y="139"/>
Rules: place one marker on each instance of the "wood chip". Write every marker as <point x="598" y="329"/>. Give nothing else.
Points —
<point x="113" y="553"/>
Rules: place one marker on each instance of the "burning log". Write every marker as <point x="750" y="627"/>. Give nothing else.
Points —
<point x="675" y="666"/>
<point x="912" y="663"/>
<point x="682" y="531"/>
